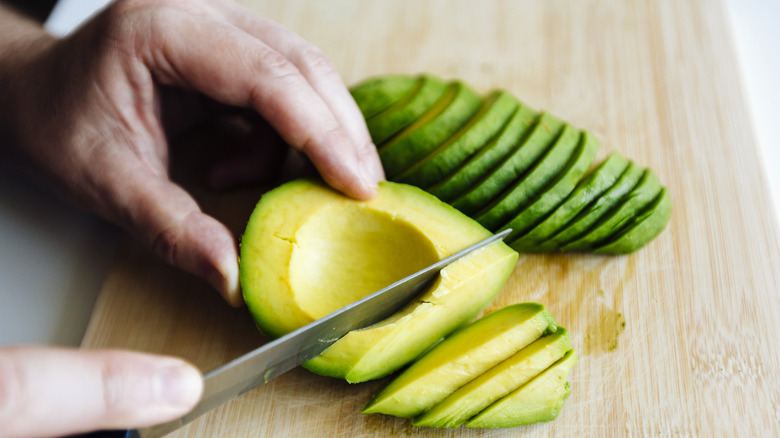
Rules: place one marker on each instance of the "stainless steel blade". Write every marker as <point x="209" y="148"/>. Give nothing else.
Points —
<point x="287" y="352"/>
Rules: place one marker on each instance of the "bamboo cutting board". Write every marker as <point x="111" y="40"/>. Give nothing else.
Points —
<point x="676" y="339"/>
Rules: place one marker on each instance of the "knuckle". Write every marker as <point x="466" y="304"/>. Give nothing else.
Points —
<point x="316" y="61"/>
<point x="165" y="244"/>
<point x="276" y="65"/>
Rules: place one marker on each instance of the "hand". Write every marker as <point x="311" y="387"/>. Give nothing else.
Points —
<point x="86" y="115"/>
<point x="52" y="392"/>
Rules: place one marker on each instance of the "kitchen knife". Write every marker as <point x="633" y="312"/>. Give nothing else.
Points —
<point x="287" y="352"/>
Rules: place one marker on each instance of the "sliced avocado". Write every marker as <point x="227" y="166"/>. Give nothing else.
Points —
<point x="590" y="188"/>
<point x="557" y="190"/>
<point x="497" y="382"/>
<point x="494" y="114"/>
<point x="541" y="399"/>
<point x="541" y="139"/>
<point x="390" y="121"/>
<point x="510" y="137"/>
<point x="638" y="199"/>
<point x="642" y="228"/>
<point x="596" y="210"/>
<point x="377" y="94"/>
<point x="462" y="357"/>
<point x="512" y="200"/>
<point x="458" y="104"/>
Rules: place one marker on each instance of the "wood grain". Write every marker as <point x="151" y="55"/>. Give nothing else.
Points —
<point x="676" y="339"/>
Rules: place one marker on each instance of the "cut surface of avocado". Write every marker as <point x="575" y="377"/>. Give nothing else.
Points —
<point x="470" y="172"/>
<point x="495" y="112"/>
<point x="530" y="184"/>
<point x="541" y="399"/>
<point x="587" y="190"/>
<point x="462" y="357"/>
<point x="497" y="382"/>
<point x="596" y="210"/>
<point x="458" y="104"/>
<point x="642" y="228"/>
<point x="638" y="199"/>
<point x="556" y="191"/>
<point x="406" y="110"/>
<point x="309" y="250"/>
<point x="534" y="147"/>
<point x="377" y="94"/>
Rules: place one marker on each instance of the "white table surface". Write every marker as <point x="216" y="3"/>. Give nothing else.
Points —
<point x="54" y="257"/>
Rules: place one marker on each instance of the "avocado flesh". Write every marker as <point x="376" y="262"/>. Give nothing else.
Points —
<point x="541" y="399"/>
<point x="642" y="228"/>
<point x="527" y="186"/>
<point x="639" y="198"/>
<point x="458" y="104"/>
<point x="587" y="190"/>
<point x="405" y="111"/>
<point x="596" y="210"/>
<point x="484" y="125"/>
<point x="541" y="140"/>
<point x="462" y="357"/>
<point x="376" y="95"/>
<point x="463" y="177"/>
<point x="556" y="191"/>
<point x="497" y="382"/>
<point x="308" y="250"/>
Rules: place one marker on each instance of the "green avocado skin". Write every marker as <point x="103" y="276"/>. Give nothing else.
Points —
<point x="506" y="165"/>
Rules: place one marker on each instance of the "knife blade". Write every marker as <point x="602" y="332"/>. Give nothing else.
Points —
<point x="287" y="352"/>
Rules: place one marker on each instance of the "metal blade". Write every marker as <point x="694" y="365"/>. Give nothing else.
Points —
<point x="287" y="352"/>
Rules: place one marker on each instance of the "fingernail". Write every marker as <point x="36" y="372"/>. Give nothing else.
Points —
<point x="178" y="385"/>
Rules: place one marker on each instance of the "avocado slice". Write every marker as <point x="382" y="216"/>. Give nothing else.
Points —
<point x="496" y="110"/>
<point x="541" y="399"/>
<point x="309" y="250"/>
<point x="557" y="190"/>
<point x="458" y="104"/>
<point x="497" y="382"/>
<point x="639" y="198"/>
<point x="595" y="211"/>
<point x="393" y="119"/>
<point x="543" y="137"/>
<point x="642" y="228"/>
<point x="511" y="136"/>
<point x="462" y="357"/>
<point x="377" y="94"/>
<point x="590" y="188"/>
<point x="514" y="198"/>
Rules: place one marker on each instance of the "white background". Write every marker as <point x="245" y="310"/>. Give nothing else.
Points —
<point x="54" y="258"/>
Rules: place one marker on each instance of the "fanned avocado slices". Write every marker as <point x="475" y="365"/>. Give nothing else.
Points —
<point x="376" y="95"/>
<point x="642" y="228"/>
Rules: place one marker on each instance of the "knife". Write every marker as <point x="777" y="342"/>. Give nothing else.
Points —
<point x="287" y="352"/>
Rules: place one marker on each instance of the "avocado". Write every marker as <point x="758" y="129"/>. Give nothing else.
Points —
<point x="403" y="112"/>
<point x="462" y="357"/>
<point x="511" y="136"/>
<point x="556" y="191"/>
<point x="642" y="195"/>
<point x="541" y="399"/>
<point x="309" y="250"/>
<point x="588" y="189"/>
<point x="494" y="114"/>
<point x="641" y="228"/>
<point x="377" y="94"/>
<point x="497" y="382"/>
<point x="439" y="123"/>
<point x="526" y="187"/>
<point x="596" y="210"/>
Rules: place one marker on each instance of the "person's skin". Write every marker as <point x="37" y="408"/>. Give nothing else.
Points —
<point x="87" y="116"/>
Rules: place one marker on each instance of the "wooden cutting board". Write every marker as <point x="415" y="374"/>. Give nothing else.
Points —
<point x="679" y="338"/>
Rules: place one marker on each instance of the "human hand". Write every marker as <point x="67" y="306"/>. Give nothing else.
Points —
<point x="55" y="391"/>
<point x="86" y="114"/>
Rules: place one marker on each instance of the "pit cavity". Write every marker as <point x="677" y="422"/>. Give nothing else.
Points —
<point x="344" y="253"/>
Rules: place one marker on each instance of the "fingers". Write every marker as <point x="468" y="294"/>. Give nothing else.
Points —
<point x="237" y="68"/>
<point x="53" y="392"/>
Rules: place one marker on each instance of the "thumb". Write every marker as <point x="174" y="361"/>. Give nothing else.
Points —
<point x="57" y="391"/>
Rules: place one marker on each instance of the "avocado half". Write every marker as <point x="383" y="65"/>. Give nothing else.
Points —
<point x="309" y="250"/>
